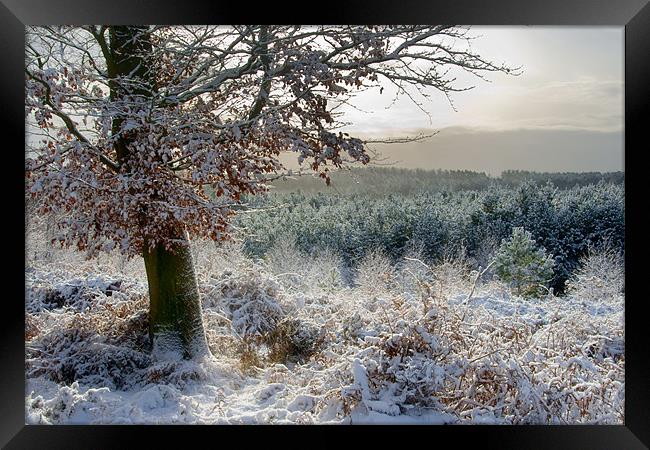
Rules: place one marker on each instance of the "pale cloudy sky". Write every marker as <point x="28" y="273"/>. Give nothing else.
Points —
<point x="563" y="113"/>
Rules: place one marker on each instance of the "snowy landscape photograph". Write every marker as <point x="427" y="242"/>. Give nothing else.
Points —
<point x="258" y="224"/>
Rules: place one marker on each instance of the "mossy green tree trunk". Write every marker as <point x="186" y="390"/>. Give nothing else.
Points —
<point x="175" y="322"/>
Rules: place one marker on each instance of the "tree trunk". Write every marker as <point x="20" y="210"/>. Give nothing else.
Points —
<point x="175" y="322"/>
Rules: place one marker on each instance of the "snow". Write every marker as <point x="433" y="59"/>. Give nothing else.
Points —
<point x="386" y="357"/>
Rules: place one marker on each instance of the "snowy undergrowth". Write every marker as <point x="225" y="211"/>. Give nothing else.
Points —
<point x="294" y="341"/>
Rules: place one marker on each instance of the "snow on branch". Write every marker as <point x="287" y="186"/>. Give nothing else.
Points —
<point x="151" y="130"/>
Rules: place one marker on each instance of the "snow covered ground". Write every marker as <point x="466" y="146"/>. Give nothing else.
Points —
<point x="294" y="342"/>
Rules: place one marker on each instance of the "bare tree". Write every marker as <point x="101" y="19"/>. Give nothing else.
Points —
<point x="147" y="135"/>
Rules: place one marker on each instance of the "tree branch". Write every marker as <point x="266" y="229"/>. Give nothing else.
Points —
<point x="72" y="128"/>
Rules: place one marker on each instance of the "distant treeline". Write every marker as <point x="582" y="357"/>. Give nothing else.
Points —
<point x="561" y="180"/>
<point x="381" y="181"/>
<point x="566" y="222"/>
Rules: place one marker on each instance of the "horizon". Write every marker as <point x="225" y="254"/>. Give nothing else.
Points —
<point x="356" y="166"/>
<point x="564" y="112"/>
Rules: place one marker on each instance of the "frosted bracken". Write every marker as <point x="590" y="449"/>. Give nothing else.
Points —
<point x="414" y="349"/>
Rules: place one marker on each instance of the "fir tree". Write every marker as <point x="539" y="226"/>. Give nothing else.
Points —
<point x="524" y="266"/>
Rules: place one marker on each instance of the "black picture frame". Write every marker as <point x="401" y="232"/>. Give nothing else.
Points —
<point x="634" y="15"/>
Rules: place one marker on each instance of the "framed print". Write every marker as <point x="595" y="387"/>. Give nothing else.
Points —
<point x="383" y="225"/>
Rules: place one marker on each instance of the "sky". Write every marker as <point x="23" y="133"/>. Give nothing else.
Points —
<point x="563" y="113"/>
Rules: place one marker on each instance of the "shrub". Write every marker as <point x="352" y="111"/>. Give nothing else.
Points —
<point x="600" y="276"/>
<point x="375" y="273"/>
<point x="520" y="263"/>
<point x="294" y="340"/>
<point x="108" y="345"/>
<point x="250" y="301"/>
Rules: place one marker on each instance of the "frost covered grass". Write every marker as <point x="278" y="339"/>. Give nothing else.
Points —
<point x="300" y="339"/>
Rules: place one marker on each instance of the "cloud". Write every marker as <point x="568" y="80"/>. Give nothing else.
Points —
<point x="544" y="150"/>
<point x="572" y="79"/>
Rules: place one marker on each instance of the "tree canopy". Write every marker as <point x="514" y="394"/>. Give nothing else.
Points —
<point x="142" y="131"/>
